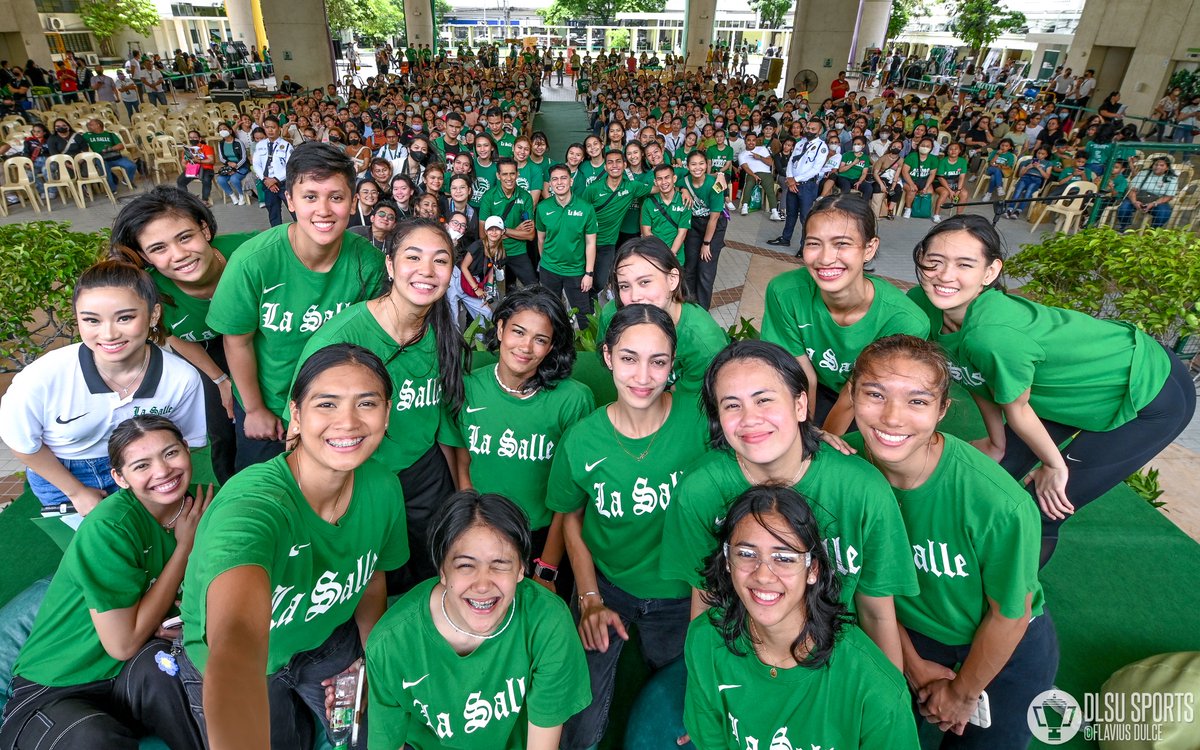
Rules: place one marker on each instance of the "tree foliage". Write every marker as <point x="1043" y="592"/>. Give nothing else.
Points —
<point x="772" y="13"/>
<point x="105" y="18"/>
<point x="978" y="23"/>
<point x="604" y="12"/>
<point x="370" y="18"/>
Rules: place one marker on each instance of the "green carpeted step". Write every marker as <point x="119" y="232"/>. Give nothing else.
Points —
<point x="564" y="123"/>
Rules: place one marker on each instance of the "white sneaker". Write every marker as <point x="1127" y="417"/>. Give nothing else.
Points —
<point x="745" y="209"/>
<point x="908" y="213"/>
<point x="262" y="205"/>
<point x="937" y="219"/>
<point x="987" y="196"/>
<point x="972" y="178"/>
<point x="775" y="215"/>
<point x="730" y="205"/>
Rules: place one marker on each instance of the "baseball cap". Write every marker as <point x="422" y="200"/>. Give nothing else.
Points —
<point x="493" y="222"/>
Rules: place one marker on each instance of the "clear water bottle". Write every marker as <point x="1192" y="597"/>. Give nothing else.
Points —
<point x="347" y="697"/>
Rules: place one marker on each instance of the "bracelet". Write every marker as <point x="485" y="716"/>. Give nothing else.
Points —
<point x="222" y="379"/>
<point x="706" y="242"/>
<point x="544" y="564"/>
<point x="589" y="273"/>
<point x="586" y="594"/>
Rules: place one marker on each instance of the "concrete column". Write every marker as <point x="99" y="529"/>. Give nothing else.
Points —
<point x="873" y="27"/>
<point x="299" y="43"/>
<point x="25" y="35"/>
<point x="241" y="21"/>
<point x="822" y="31"/>
<point x="699" y="19"/>
<point x="418" y="23"/>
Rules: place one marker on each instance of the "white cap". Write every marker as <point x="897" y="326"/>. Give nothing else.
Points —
<point x="493" y="222"/>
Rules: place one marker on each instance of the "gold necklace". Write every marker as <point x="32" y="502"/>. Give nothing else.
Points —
<point x="124" y="391"/>
<point x="756" y="639"/>
<point x="643" y="454"/>
<point x="746" y="473"/>
<point x="337" y="501"/>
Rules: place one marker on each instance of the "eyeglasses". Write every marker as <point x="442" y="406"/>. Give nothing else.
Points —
<point x="782" y="564"/>
<point x="459" y="224"/>
<point x="385" y="217"/>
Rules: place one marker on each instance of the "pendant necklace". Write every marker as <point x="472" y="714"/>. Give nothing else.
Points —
<point x="123" y="391"/>
<point x="512" y="609"/>
<point x="521" y="393"/>
<point x="170" y="525"/>
<point x="754" y="641"/>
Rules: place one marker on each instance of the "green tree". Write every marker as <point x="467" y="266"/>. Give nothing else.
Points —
<point x="603" y="11"/>
<point x="771" y="13"/>
<point x="370" y="18"/>
<point x="903" y="11"/>
<point x="105" y="18"/>
<point x="978" y="23"/>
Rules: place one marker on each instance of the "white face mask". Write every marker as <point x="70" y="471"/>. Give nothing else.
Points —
<point x="858" y="148"/>
<point x="223" y="133"/>
<point x="455" y="234"/>
<point x="924" y="150"/>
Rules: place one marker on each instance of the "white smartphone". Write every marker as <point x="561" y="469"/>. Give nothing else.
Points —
<point x="982" y="717"/>
<point x="172" y="622"/>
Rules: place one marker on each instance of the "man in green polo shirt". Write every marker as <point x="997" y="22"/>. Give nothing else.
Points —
<point x="566" y="232"/>
<point x="504" y="139"/>
<point x="611" y="198"/>
<point x="515" y="206"/>
<point x="664" y="215"/>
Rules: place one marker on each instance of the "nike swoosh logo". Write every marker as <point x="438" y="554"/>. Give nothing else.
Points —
<point x="723" y="688"/>
<point x="589" y="467"/>
<point x="551" y="213"/>
<point x="1070" y="458"/>
<point x="295" y="550"/>
<point x="60" y="420"/>
<point x="405" y="684"/>
<point x="718" y="521"/>
<point x="268" y="291"/>
<point x="806" y="325"/>
<point x="180" y="321"/>
<point x="472" y="410"/>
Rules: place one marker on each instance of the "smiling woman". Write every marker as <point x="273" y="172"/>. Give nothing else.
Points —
<point x="411" y="329"/>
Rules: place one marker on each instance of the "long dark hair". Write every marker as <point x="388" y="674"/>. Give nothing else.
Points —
<point x="467" y="509"/>
<point x="133" y="428"/>
<point x="163" y="200"/>
<point x="773" y="356"/>
<point x="451" y="349"/>
<point x="122" y="275"/>
<point x="560" y="359"/>
<point x="825" y="615"/>
<point x="655" y="252"/>
<point x="990" y="241"/>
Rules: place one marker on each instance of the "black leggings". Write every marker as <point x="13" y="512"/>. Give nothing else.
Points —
<point x="426" y="484"/>
<point x="699" y="275"/>
<point x="1099" y="461"/>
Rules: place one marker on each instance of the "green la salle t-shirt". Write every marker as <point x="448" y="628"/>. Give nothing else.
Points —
<point x="858" y="699"/>
<point x="495" y="203"/>
<point x="566" y="228"/>
<point x="267" y="291"/>
<point x="186" y="317"/>
<point x="631" y="224"/>
<point x="317" y="570"/>
<point x="975" y="534"/>
<point x="624" y="499"/>
<point x="919" y="169"/>
<point x="700" y="339"/>
<point x="485" y="180"/>
<point x="512" y="440"/>
<point x="720" y="158"/>
<point x="852" y="502"/>
<point x="424" y="695"/>
<point x="706" y="199"/>
<point x="111" y="562"/>
<point x="612" y="205"/>
<point x="666" y="219"/>
<point x="531" y="177"/>
<point x="796" y="318"/>
<point x="1083" y="372"/>
<point x="417" y="410"/>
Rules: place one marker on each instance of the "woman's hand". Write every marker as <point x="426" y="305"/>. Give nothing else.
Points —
<point x="836" y="442"/>
<point x="328" y="684"/>
<point x="920" y="673"/>
<point x="548" y="585"/>
<point x="942" y="703"/>
<point x="262" y="424"/>
<point x="705" y="253"/>
<point x="226" y="390"/>
<point x="594" y="622"/>
<point x="189" y="516"/>
<point x="1051" y="485"/>
<point x="85" y="499"/>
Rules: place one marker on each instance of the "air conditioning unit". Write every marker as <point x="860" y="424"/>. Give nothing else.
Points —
<point x="92" y="58"/>
<point x="54" y="23"/>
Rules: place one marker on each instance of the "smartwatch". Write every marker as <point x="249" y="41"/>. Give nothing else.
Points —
<point x="544" y="572"/>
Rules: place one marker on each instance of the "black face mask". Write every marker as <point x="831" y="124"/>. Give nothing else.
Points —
<point x="62" y="131"/>
<point x="194" y="141"/>
<point x="420" y="156"/>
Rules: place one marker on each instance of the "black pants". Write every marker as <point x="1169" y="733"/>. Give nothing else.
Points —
<point x="222" y="438"/>
<point x="427" y="484"/>
<point x="249" y="451"/>
<point x="606" y="255"/>
<point x="113" y="714"/>
<point x="519" y="268"/>
<point x="206" y="183"/>
<point x="1029" y="671"/>
<point x="295" y="696"/>
<point x="576" y="297"/>
<point x="699" y="275"/>
<point x="275" y="204"/>
<point x="1098" y="461"/>
<point x="845" y="184"/>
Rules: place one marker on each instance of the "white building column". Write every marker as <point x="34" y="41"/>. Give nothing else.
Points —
<point x="418" y="23"/>
<point x="300" y="43"/>
<point x="821" y="34"/>
<point x="699" y="20"/>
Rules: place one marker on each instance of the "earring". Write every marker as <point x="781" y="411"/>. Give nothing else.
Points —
<point x="812" y="580"/>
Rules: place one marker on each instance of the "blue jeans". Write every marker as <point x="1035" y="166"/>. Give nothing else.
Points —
<point x="92" y="472"/>
<point x="997" y="179"/>
<point x="1029" y="671"/>
<point x="124" y="162"/>
<point x="1158" y="215"/>
<point x="295" y="695"/>
<point x="662" y="626"/>
<point x="1026" y="187"/>
<point x="231" y="184"/>
<point x="798" y="205"/>
<point x="157" y="97"/>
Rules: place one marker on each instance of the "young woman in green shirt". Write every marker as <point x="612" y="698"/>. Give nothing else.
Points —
<point x="706" y="238"/>
<point x="1041" y="375"/>
<point x="974" y="536"/>
<point x="96" y="671"/>
<point x="515" y="413"/>
<point x="951" y="183"/>
<point x="614" y="475"/>
<point x="776" y="661"/>
<point x="479" y="628"/>
<point x="175" y="234"/>
<point x="287" y="578"/>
